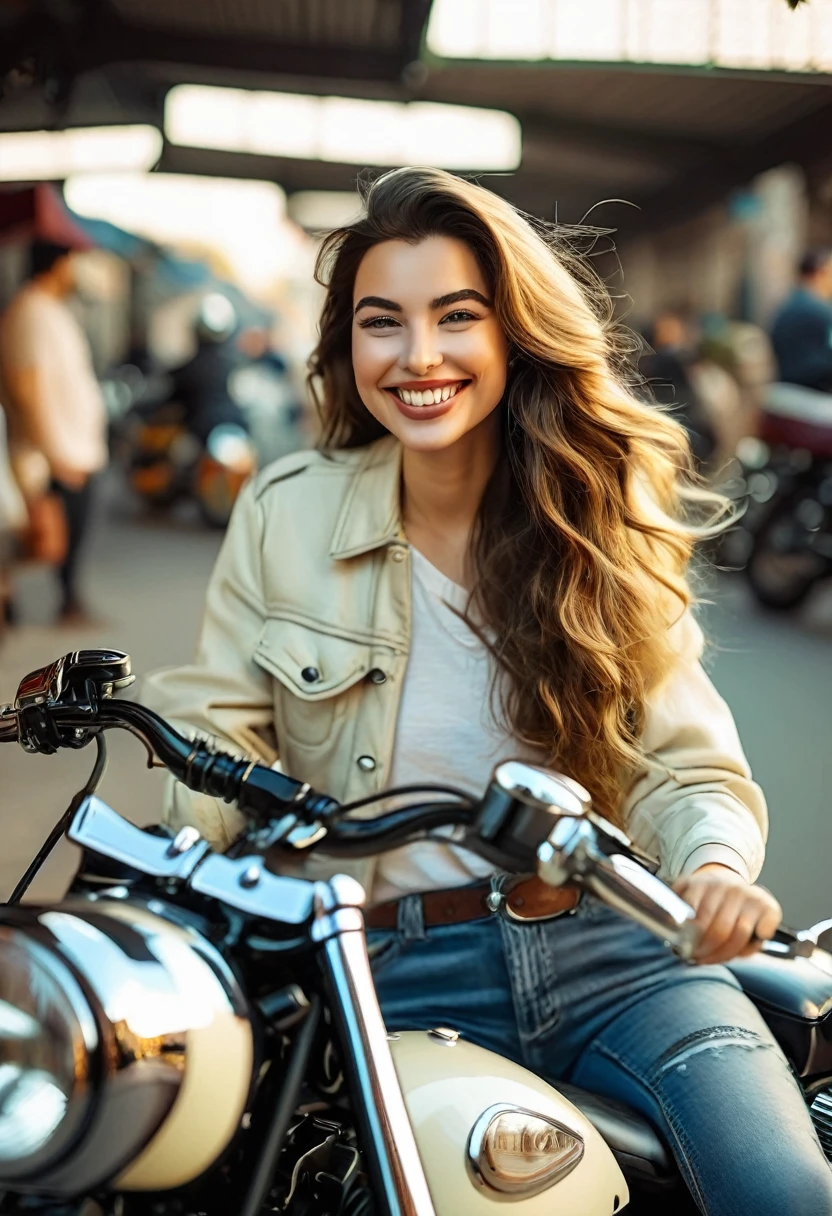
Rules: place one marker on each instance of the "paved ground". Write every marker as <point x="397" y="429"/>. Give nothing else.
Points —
<point x="149" y="579"/>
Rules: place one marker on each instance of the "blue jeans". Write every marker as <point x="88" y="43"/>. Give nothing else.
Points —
<point x="593" y="999"/>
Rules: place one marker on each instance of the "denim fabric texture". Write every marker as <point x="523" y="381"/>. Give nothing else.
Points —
<point x="594" y="999"/>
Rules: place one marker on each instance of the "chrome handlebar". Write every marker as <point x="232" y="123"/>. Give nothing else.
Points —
<point x="582" y="849"/>
<point x="574" y="855"/>
<point x="67" y="703"/>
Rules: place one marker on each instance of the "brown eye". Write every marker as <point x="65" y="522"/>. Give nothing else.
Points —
<point x="378" y="323"/>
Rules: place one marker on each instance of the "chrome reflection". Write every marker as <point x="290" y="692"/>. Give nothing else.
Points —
<point x="514" y="1152"/>
<point x="46" y="1036"/>
<point x="102" y="1084"/>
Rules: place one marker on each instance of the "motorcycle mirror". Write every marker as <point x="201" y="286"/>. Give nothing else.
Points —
<point x="541" y="788"/>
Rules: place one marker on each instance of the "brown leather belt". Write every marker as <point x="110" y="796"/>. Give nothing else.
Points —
<point x="526" y="899"/>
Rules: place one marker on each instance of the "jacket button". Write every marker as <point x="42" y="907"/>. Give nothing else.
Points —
<point x="376" y="676"/>
<point x="397" y="555"/>
<point x="366" y="763"/>
<point x="310" y="674"/>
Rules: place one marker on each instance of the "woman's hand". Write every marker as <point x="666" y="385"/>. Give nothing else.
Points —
<point x="730" y="911"/>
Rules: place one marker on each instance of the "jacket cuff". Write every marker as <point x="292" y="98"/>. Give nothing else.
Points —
<point x="721" y="854"/>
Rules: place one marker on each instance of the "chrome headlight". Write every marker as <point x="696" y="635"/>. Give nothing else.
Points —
<point x="230" y="446"/>
<point x="126" y="1050"/>
<point x="48" y="1038"/>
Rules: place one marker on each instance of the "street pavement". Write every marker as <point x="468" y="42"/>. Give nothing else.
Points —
<point x="147" y="578"/>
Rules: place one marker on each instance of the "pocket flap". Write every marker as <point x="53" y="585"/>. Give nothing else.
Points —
<point x="287" y="649"/>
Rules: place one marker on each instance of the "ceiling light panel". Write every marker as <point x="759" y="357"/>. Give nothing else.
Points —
<point x="343" y="130"/>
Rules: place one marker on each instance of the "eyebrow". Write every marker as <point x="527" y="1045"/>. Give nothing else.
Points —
<point x="453" y="297"/>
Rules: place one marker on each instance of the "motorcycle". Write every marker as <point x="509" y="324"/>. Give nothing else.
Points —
<point x="780" y="482"/>
<point x="165" y="461"/>
<point x="791" y="546"/>
<point x="190" y="1033"/>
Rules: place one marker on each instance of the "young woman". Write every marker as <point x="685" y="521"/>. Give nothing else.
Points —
<point x="485" y="559"/>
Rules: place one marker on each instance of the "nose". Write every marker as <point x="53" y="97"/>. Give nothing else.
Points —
<point x="422" y="355"/>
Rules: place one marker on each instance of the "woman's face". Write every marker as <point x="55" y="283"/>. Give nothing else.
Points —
<point x="428" y="352"/>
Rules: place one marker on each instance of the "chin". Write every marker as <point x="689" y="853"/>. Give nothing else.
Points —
<point x="433" y="436"/>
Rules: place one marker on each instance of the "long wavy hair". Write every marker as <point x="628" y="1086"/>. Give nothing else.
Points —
<point x="584" y="534"/>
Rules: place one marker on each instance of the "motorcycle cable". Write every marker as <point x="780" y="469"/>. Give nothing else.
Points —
<point x="399" y="791"/>
<point x="263" y="1173"/>
<point x="63" y="823"/>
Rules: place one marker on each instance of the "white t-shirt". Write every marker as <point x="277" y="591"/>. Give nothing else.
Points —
<point x="38" y="330"/>
<point x="446" y="731"/>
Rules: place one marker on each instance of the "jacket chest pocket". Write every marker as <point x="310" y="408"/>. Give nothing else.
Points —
<point x="314" y="672"/>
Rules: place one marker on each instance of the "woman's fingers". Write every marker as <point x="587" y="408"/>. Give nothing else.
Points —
<point x="718" y="916"/>
<point x="738" y="939"/>
<point x="733" y="915"/>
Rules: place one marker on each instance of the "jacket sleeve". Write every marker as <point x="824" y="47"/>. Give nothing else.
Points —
<point x="694" y="802"/>
<point x="223" y="695"/>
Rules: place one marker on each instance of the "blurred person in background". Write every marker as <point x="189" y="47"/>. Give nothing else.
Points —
<point x="55" y="413"/>
<point x="202" y="386"/>
<point x="670" y="370"/>
<point x="13" y="520"/>
<point x="802" y="329"/>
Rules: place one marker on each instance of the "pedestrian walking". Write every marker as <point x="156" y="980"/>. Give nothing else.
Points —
<point x="55" y="414"/>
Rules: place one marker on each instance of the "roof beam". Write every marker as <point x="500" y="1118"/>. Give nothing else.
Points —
<point x="641" y="144"/>
<point x="803" y="142"/>
<point x="97" y="35"/>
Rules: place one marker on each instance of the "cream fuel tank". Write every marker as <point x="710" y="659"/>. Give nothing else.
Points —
<point x="489" y="1130"/>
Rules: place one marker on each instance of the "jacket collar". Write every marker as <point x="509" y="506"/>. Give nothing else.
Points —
<point x="371" y="514"/>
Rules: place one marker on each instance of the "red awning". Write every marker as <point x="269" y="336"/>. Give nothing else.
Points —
<point x="38" y="213"/>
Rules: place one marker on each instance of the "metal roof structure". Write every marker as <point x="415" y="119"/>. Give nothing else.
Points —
<point x="670" y="139"/>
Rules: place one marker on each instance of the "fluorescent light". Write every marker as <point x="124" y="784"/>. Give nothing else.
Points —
<point x="342" y="129"/>
<point x="318" y="210"/>
<point x="735" y="33"/>
<point x="242" y="221"/>
<point x="27" y="156"/>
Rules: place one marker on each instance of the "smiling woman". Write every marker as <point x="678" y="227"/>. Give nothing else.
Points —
<point x="419" y="357"/>
<point x="487" y="560"/>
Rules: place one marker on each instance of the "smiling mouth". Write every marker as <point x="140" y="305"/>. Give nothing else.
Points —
<point x="427" y="396"/>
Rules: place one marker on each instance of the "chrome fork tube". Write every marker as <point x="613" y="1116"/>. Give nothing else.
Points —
<point x="388" y="1141"/>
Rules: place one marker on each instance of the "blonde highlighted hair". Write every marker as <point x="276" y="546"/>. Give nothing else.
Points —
<point x="585" y="532"/>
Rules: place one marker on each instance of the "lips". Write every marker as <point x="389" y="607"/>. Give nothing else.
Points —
<point x="427" y="396"/>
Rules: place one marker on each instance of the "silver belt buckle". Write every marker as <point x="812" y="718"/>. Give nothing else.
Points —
<point x="497" y="900"/>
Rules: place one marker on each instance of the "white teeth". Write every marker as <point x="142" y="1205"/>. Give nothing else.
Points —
<point x="428" y="396"/>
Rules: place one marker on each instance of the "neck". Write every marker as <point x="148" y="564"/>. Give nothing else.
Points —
<point x="442" y="492"/>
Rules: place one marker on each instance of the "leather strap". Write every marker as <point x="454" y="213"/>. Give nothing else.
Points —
<point x="526" y="899"/>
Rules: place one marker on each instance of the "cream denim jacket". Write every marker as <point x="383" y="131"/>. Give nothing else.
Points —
<point x="303" y="652"/>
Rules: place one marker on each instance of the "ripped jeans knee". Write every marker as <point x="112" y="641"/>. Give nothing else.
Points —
<point x="724" y="1097"/>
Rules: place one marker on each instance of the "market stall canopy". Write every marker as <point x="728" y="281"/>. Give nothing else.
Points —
<point x="39" y="213"/>
<point x="670" y="138"/>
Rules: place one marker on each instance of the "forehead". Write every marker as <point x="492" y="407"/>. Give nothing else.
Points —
<point x="407" y="272"/>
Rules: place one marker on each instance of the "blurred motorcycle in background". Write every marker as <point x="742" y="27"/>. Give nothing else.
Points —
<point x="782" y="481"/>
<point x="199" y="431"/>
